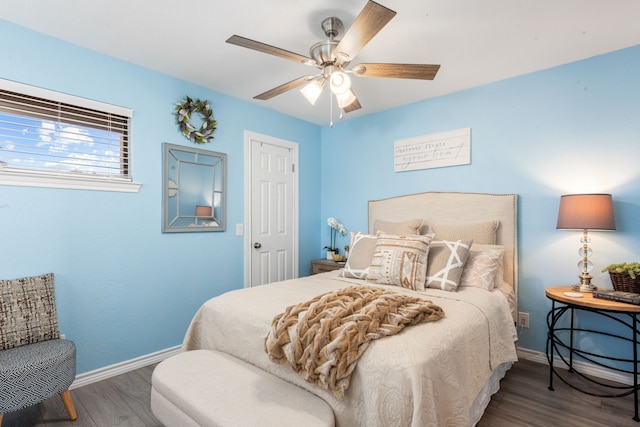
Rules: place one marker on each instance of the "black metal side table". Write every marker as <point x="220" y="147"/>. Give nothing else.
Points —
<point x="622" y="314"/>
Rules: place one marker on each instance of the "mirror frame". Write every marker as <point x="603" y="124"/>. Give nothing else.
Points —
<point x="172" y="188"/>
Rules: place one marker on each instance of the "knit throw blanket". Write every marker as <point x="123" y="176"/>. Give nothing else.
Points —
<point x="323" y="339"/>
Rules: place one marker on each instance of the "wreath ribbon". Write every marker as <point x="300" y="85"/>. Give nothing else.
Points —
<point x="188" y="106"/>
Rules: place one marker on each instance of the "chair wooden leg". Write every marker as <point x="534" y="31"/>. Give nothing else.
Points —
<point x="1" y="419"/>
<point x="68" y="404"/>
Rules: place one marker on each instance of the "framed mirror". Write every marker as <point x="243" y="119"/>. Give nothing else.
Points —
<point x="194" y="189"/>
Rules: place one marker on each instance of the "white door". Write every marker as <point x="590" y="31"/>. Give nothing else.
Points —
<point x="273" y="213"/>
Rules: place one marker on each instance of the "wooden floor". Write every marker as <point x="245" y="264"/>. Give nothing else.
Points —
<point x="523" y="400"/>
<point x="120" y="401"/>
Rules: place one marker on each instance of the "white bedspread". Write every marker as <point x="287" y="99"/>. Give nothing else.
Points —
<point x="427" y="375"/>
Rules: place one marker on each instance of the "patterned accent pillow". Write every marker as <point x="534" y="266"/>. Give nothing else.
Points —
<point x="361" y="251"/>
<point x="400" y="260"/>
<point x="407" y="227"/>
<point x="27" y="311"/>
<point x="481" y="232"/>
<point x="498" y="282"/>
<point x="481" y="269"/>
<point x="445" y="263"/>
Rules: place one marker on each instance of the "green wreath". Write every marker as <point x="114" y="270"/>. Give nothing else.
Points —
<point x="184" y="109"/>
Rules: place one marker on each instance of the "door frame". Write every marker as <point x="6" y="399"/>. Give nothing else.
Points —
<point x="248" y="209"/>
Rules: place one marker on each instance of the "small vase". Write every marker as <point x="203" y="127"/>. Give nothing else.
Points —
<point x="330" y="255"/>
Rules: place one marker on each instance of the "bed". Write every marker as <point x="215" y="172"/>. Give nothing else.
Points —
<point x="430" y="374"/>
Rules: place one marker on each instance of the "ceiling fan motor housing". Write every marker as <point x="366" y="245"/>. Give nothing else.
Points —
<point x="322" y="52"/>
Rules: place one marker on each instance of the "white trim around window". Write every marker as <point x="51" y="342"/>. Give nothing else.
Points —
<point x="90" y="152"/>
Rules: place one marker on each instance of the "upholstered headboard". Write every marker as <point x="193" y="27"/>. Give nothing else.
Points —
<point x="458" y="208"/>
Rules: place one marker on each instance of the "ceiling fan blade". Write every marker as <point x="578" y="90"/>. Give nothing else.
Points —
<point x="271" y="50"/>
<point x="398" y="71"/>
<point x="284" y="88"/>
<point x="368" y="23"/>
<point x="355" y="105"/>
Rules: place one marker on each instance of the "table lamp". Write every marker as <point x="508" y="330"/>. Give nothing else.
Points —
<point x="585" y="212"/>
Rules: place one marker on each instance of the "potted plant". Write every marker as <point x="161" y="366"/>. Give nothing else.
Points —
<point x="625" y="276"/>
<point x="334" y="228"/>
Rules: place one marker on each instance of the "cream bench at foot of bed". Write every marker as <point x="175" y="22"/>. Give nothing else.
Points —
<point x="209" y="388"/>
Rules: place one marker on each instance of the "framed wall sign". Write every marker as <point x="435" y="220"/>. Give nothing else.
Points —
<point x="435" y="150"/>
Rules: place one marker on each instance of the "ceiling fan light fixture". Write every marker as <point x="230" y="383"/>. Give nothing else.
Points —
<point x="312" y="90"/>
<point x="340" y="82"/>
<point x="345" y="99"/>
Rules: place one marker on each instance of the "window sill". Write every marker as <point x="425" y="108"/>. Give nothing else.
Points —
<point x="68" y="182"/>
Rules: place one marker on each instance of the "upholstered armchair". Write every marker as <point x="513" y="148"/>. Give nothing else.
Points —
<point x="35" y="364"/>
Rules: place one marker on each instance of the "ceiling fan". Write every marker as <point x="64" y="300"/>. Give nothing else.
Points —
<point x="332" y="57"/>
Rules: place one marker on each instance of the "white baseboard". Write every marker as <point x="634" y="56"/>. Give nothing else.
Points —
<point x="582" y="367"/>
<point x="123" y="367"/>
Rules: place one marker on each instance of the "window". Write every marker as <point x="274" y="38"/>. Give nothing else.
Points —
<point x="51" y="139"/>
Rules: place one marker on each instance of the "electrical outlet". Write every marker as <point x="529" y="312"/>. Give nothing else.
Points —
<point x="523" y="319"/>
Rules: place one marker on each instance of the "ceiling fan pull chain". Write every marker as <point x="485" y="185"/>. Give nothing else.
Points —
<point x="330" y="110"/>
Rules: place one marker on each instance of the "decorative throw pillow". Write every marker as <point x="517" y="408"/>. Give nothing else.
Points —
<point x="361" y="251"/>
<point x="400" y="260"/>
<point x="482" y="232"/>
<point x="499" y="279"/>
<point x="445" y="263"/>
<point x="27" y="311"/>
<point x="481" y="268"/>
<point x="406" y="227"/>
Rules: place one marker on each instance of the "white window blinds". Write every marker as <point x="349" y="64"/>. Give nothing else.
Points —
<point x="44" y="132"/>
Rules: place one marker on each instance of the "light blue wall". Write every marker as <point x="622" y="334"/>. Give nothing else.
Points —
<point x="123" y="288"/>
<point x="571" y="129"/>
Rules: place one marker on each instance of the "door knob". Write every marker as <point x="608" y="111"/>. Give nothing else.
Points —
<point x="257" y="245"/>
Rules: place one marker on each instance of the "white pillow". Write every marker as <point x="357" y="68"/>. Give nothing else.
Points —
<point x="481" y="269"/>
<point x="499" y="280"/>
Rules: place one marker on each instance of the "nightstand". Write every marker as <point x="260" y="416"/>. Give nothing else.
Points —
<point x="324" y="265"/>
<point x="565" y="335"/>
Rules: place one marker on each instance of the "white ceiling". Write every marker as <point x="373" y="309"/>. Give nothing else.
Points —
<point x="475" y="41"/>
